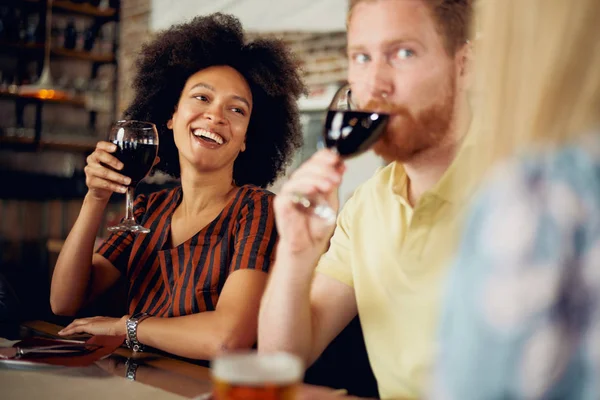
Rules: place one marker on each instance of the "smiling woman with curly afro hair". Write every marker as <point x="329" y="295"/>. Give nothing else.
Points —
<point x="166" y="63"/>
<point x="228" y="122"/>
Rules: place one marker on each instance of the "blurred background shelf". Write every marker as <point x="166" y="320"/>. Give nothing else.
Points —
<point x="24" y="3"/>
<point x="12" y="46"/>
<point x="56" y="52"/>
<point x="77" y="145"/>
<point x="83" y="9"/>
<point x="83" y="55"/>
<point x="72" y="101"/>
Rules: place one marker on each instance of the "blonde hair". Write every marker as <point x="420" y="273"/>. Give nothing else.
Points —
<point x="537" y="79"/>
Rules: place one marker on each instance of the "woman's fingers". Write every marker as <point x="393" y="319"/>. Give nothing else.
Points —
<point x="101" y="168"/>
<point x="103" y="157"/>
<point x="102" y="172"/>
<point x="106" y="146"/>
<point x="94" y="182"/>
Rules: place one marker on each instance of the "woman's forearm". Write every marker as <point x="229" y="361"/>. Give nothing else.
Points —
<point x="73" y="270"/>
<point x="198" y="336"/>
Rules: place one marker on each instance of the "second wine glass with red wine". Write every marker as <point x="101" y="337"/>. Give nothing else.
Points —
<point x="137" y="147"/>
<point x="349" y="130"/>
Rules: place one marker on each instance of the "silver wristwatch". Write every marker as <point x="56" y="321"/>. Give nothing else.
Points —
<point x="132" y="325"/>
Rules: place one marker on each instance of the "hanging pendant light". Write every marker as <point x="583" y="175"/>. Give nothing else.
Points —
<point x="44" y="88"/>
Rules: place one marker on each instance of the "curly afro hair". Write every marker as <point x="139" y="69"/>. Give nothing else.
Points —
<point x="166" y="63"/>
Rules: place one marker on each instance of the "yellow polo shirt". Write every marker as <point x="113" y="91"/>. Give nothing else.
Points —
<point x="395" y="257"/>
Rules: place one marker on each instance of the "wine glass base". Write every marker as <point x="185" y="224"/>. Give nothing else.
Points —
<point x="326" y="213"/>
<point x="318" y="207"/>
<point x="135" y="228"/>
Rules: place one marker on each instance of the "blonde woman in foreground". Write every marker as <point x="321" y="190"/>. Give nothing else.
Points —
<point x="522" y="316"/>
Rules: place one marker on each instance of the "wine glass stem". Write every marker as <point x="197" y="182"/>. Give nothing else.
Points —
<point x="129" y="203"/>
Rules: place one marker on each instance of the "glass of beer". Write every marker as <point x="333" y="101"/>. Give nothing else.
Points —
<point x="252" y="375"/>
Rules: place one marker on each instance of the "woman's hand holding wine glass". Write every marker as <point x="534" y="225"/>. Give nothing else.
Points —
<point x="119" y="164"/>
<point x="101" y="180"/>
<point x="136" y="145"/>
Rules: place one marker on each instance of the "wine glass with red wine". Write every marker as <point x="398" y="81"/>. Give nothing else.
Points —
<point x="349" y="130"/>
<point x="137" y="147"/>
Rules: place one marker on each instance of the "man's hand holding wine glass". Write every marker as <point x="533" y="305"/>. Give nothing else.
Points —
<point x="301" y="231"/>
<point x="308" y="204"/>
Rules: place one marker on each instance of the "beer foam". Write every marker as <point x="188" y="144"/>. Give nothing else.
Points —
<point x="258" y="368"/>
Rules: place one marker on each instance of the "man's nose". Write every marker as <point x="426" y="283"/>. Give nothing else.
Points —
<point x="377" y="84"/>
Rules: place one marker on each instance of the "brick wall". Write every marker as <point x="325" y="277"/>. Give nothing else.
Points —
<point x="321" y="55"/>
<point x="134" y="30"/>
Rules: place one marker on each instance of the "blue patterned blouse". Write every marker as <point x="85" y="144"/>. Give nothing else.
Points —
<point x="522" y="309"/>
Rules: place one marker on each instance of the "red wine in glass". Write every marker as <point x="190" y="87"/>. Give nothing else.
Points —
<point x="351" y="133"/>
<point x="137" y="147"/>
<point x="137" y="159"/>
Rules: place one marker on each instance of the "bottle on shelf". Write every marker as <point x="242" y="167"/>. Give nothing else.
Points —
<point x="23" y="28"/>
<point x="89" y="36"/>
<point x="104" y="41"/>
<point x="12" y="25"/>
<point x="70" y="35"/>
<point x="39" y="31"/>
<point x="80" y="28"/>
<point x="80" y="84"/>
<point x="103" y="4"/>
<point x="58" y="33"/>
<point x="3" y="21"/>
<point x="33" y="33"/>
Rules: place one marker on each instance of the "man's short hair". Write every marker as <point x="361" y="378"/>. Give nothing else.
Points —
<point x="452" y="17"/>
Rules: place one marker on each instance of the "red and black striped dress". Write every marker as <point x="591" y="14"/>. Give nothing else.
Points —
<point x="170" y="281"/>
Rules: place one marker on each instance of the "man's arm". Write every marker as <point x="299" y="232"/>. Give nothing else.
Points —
<point x="302" y="311"/>
<point x="333" y="306"/>
<point x="300" y="314"/>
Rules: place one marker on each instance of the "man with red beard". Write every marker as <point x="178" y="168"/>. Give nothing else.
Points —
<point x="390" y="248"/>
